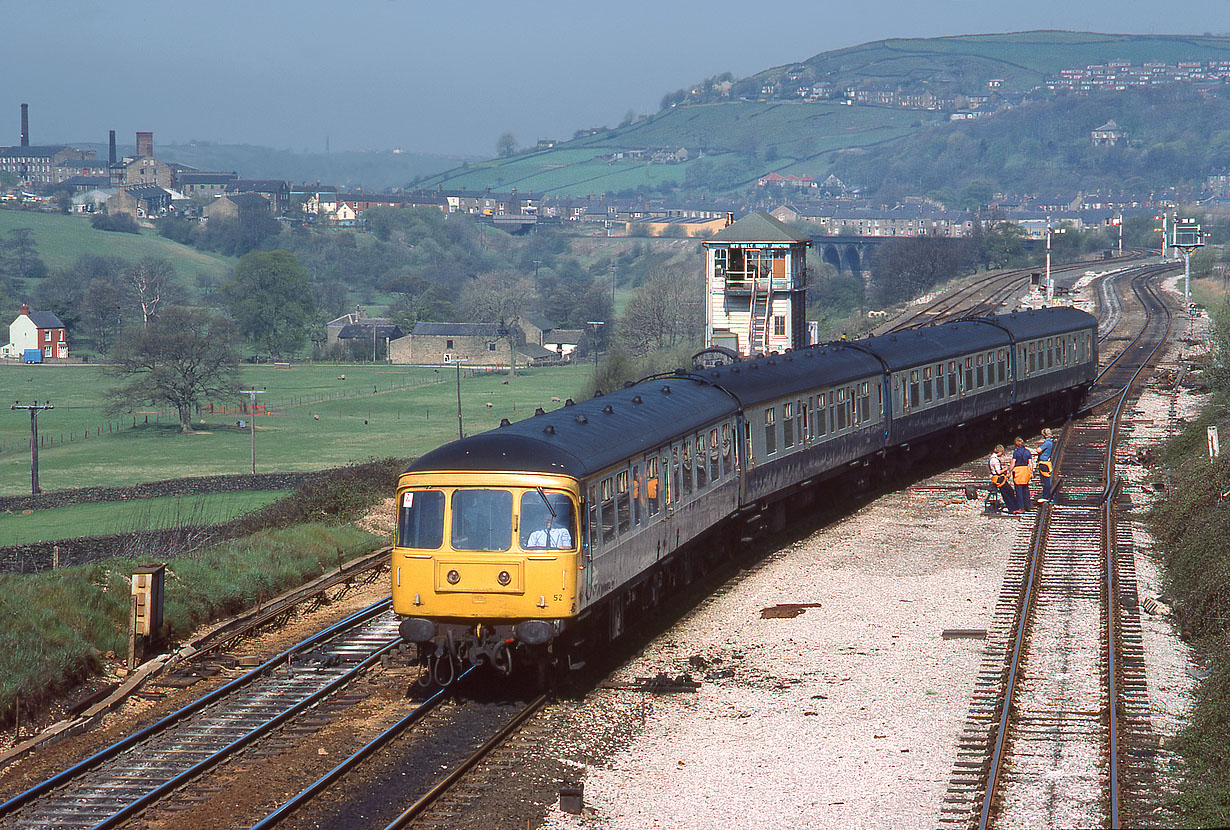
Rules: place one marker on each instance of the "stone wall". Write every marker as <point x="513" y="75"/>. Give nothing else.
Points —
<point x="197" y="485"/>
<point x="154" y="545"/>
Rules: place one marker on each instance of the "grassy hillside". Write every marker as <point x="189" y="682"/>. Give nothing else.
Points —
<point x="61" y="239"/>
<point x="786" y="136"/>
<point x="731" y="142"/>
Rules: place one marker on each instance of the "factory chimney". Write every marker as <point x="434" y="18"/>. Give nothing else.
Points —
<point x="111" y="150"/>
<point x="145" y="145"/>
<point x="25" y="125"/>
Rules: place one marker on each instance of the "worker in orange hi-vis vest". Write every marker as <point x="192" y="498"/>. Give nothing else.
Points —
<point x="999" y="478"/>
<point x="1022" y="472"/>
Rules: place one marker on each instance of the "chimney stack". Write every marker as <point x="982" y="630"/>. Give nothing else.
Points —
<point x="111" y="151"/>
<point x="145" y="145"/>
<point x="25" y="125"/>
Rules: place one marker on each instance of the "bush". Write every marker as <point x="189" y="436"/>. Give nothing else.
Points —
<point x="119" y="222"/>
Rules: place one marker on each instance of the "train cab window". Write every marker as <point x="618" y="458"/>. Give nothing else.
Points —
<point x="770" y="430"/>
<point x="608" y="510"/>
<point x="702" y="464"/>
<point x="482" y="520"/>
<point x="927" y="384"/>
<point x="539" y="506"/>
<point x="685" y="470"/>
<point x="952" y="378"/>
<point x="969" y="374"/>
<point x="651" y="486"/>
<point x="715" y="469"/>
<point x="728" y="463"/>
<point x="623" y="503"/>
<point x="979" y="377"/>
<point x="787" y="425"/>
<point x="420" y="519"/>
<point x="913" y="388"/>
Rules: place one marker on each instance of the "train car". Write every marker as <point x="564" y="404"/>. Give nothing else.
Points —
<point x="529" y="543"/>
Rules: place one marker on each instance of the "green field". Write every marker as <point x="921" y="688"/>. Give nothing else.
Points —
<point x="317" y="421"/>
<point x="62" y="239"/>
<point x="104" y="518"/>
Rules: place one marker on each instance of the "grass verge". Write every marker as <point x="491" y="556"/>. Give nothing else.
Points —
<point x="1192" y="527"/>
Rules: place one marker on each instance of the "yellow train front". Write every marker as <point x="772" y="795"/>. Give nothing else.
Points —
<point x="485" y="564"/>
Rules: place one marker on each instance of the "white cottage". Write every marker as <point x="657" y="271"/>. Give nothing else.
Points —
<point x="40" y="330"/>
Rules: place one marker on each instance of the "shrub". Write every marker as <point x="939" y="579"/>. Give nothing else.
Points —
<point x="118" y="222"/>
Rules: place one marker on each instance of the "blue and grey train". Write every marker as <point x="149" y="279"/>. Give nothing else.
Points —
<point x="640" y="488"/>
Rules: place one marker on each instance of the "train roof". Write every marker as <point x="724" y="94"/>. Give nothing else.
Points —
<point x="1026" y="325"/>
<point x="590" y="436"/>
<point x="931" y="344"/>
<point x="778" y="376"/>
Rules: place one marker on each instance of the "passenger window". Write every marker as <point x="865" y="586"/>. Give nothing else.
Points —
<point x="969" y="374"/>
<point x="638" y="495"/>
<point x="687" y="467"/>
<point x="787" y="425"/>
<point x="770" y="430"/>
<point x="651" y="485"/>
<point x="913" y="389"/>
<point x="675" y="474"/>
<point x="1050" y="352"/>
<point x="420" y="521"/>
<point x="842" y="413"/>
<point x="702" y="478"/>
<point x="535" y="532"/>
<point x="927" y="384"/>
<point x="952" y="378"/>
<point x="864" y="403"/>
<point x="818" y="417"/>
<point x="623" y="502"/>
<point x="482" y="520"/>
<point x="978" y="372"/>
<point x="715" y="469"/>
<point x="595" y="520"/>
<point x="608" y="510"/>
<point x="727" y="450"/>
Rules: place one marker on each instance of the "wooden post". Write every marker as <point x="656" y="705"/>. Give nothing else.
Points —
<point x="132" y="634"/>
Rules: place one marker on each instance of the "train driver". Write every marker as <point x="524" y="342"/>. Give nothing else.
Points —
<point x="549" y="536"/>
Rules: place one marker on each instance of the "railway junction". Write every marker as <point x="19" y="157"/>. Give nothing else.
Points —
<point x="853" y="673"/>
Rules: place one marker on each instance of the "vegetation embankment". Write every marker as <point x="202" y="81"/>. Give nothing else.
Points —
<point x="1192" y="528"/>
<point x="57" y="627"/>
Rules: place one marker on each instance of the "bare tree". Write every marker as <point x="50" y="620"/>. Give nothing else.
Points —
<point x="500" y="297"/>
<point x="506" y="145"/>
<point x="152" y="281"/>
<point x="181" y="357"/>
<point x="664" y="312"/>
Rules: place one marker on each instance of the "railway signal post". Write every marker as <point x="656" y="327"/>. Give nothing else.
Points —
<point x="33" y="409"/>
<point x="1186" y="236"/>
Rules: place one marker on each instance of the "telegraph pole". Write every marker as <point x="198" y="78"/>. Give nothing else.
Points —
<point x="460" y="432"/>
<point x="252" y="393"/>
<point x="33" y="409"/>
<point x="595" y="324"/>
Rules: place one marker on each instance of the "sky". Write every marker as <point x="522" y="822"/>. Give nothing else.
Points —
<point x="446" y="78"/>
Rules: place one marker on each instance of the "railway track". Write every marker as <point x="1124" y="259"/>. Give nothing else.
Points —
<point x="1058" y="727"/>
<point x="126" y="777"/>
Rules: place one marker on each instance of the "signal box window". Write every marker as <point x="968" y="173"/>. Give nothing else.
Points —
<point x="779" y="326"/>
<point x="420" y="519"/>
<point x="537" y="509"/>
<point x="482" y="520"/>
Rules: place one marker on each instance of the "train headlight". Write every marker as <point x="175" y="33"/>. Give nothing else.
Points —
<point x="504" y="578"/>
<point x="453" y="577"/>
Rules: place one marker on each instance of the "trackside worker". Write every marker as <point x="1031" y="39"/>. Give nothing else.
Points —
<point x="1022" y="472"/>
<point x="999" y="478"/>
<point x="1044" y="466"/>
